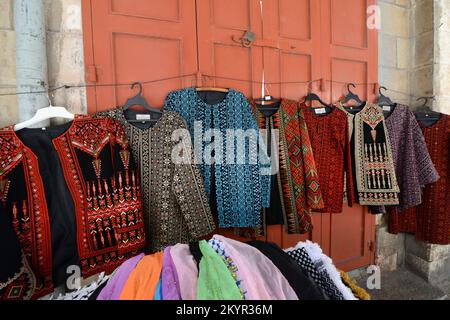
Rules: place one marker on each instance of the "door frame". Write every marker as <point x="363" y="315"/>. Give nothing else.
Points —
<point x="89" y="61"/>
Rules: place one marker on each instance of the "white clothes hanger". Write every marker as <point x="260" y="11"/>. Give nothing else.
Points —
<point x="45" y="114"/>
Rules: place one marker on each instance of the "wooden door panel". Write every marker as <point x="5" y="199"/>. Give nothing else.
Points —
<point x="291" y="46"/>
<point x="220" y="54"/>
<point x="351" y="249"/>
<point x="345" y="71"/>
<point x="168" y="10"/>
<point x="348" y="23"/>
<point x="140" y="48"/>
<point x="295" y="19"/>
<point x="141" y="41"/>
<point x="349" y="55"/>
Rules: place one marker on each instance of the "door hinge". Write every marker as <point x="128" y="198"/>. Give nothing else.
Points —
<point x="371" y="245"/>
<point x="91" y="74"/>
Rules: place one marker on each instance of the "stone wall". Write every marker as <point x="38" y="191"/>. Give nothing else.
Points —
<point x="441" y="69"/>
<point x="64" y="52"/>
<point x="414" y="61"/>
<point x="395" y="50"/>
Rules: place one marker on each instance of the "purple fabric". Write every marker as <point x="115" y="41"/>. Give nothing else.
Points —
<point x="413" y="166"/>
<point x="170" y="285"/>
<point x="115" y="285"/>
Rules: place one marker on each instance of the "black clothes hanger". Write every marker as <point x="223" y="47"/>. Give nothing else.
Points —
<point x="383" y="100"/>
<point x="425" y="114"/>
<point x="352" y="96"/>
<point x="314" y="97"/>
<point x="267" y="104"/>
<point x="139" y="100"/>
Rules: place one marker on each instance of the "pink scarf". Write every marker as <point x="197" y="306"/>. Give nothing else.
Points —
<point x="186" y="269"/>
<point x="261" y="278"/>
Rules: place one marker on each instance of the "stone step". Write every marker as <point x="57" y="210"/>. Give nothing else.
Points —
<point x="400" y="284"/>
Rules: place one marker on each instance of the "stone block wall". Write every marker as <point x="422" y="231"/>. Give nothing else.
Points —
<point x="394" y="66"/>
<point x="415" y="50"/>
<point x="8" y="104"/>
<point x="64" y="52"/>
<point x="395" y="49"/>
<point x="441" y="81"/>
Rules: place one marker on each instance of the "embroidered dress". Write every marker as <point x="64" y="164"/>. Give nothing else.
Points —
<point x="73" y="198"/>
<point x="176" y="208"/>
<point x="297" y="186"/>
<point x="374" y="174"/>
<point x="239" y="183"/>
<point x="330" y="142"/>
<point x="430" y="221"/>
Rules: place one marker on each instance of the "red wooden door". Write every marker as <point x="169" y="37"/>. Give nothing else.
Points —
<point x="296" y="41"/>
<point x="135" y="40"/>
<point x="220" y="54"/>
<point x="291" y="47"/>
<point x="349" y="54"/>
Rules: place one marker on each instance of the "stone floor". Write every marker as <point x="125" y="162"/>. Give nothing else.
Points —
<point x="401" y="284"/>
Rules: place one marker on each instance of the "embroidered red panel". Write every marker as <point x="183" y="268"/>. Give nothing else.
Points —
<point x="331" y="149"/>
<point x="108" y="208"/>
<point x="430" y="221"/>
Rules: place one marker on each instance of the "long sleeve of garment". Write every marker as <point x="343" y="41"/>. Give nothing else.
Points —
<point x="314" y="199"/>
<point x="427" y="172"/>
<point x="349" y="169"/>
<point x="187" y="185"/>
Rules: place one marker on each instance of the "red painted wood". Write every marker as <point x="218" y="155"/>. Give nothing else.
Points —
<point x="135" y="40"/>
<point x="296" y="40"/>
<point x="348" y="54"/>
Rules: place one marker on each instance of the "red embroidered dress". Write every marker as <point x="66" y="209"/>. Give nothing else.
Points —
<point x="72" y="197"/>
<point x="430" y="221"/>
<point x="297" y="178"/>
<point x="331" y="149"/>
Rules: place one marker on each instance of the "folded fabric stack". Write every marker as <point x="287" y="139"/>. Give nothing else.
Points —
<point x="224" y="269"/>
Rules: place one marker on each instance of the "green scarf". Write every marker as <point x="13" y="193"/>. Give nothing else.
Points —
<point x="215" y="282"/>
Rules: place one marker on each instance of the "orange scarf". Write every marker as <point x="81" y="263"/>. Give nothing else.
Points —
<point x="142" y="282"/>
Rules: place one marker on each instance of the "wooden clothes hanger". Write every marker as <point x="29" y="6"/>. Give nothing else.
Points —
<point x="213" y="89"/>
<point x="46" y="113"/>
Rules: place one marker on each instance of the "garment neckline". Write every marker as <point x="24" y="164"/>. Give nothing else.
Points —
<point x="201" y="101"/>
<point x="422" y="125"/>
<point x="30" y="130"/>
<point x="154" y="127"/>
<point x="318" y="116"/>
